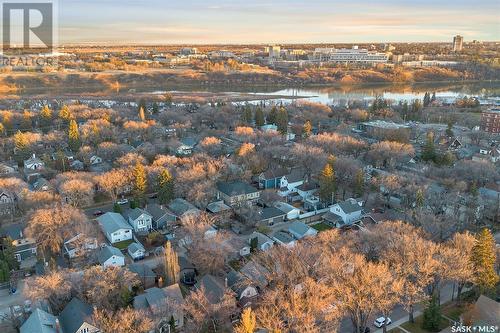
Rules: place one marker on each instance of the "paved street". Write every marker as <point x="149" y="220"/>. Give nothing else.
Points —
<point x="398" y="315"/>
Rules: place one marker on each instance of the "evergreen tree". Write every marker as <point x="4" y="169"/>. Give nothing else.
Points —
<point x="165" y="187"/>
<point x="247" y="114"/>
<point x="282" y="121"/>
<point x="117" y="208"/>
<point x="419" y="198"/>
<point x="483" y="260"/>
<point x="8" y="254"/>
<point x="4" y="271"/>
<point x="327" y="184"/>
<point x="73" y="136"/>
<point x="449" y="130"/>
<point x="427" y="99"/>
<point x="172" y="269"/>
<point x="155" y="110"/>
<point x="273" y="115"/>
<point x="359" y="183"/>
<point x="248" y="322"/>
<point x="432" y="316"/>
<point x="171" y="323"/>
<point x="429" y="151"/>
<point x="433" y="98"/>
<point x="21" y="143"/>
<point x="140" y="181"/>
<point x="307" y="129"/>
<point x="259" y="117"/>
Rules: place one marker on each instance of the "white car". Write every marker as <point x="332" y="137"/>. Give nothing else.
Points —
<point x="379" y="322"/>
<point x="122" y="201"/>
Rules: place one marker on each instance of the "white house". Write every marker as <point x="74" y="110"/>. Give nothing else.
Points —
<point x="140" y="220"/>
<point x="94" y="159"/>
<point x="115" y="227"/>
<point x="290" y="211"/>
<point x="262" y="242"/>
<point x="344" y="213"/>
<point x="136" y="251"/>
<point x="33" y="163"/>
<point x="300" y="230"/>
<point x="76" y="246"/>
<point x="284" y="238"/>
<point x="111" y="256"/>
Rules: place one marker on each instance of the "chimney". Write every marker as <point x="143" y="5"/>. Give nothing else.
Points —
<point x="33" y="155"/>
<point x="225" y="282"/>
<point x="58" y="326"/>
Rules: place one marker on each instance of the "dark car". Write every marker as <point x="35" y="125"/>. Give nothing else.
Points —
<point x="98" y="213"/>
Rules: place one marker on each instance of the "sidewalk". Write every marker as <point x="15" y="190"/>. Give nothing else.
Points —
<point x="399" y="322"/>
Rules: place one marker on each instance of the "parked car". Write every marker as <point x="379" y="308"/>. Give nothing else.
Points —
<point x="98" y="213"/>
<point x="122" y="201"/>
<point x="379" y="322"/>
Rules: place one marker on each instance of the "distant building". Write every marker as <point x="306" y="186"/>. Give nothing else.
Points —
<point x="354" y="55"/>
<point x="490" y="120"/>
<point x="380" y="129"/>
<point x="274" y="51"/>
<point x="458" y="43"/>
<point x="189" y="50"/>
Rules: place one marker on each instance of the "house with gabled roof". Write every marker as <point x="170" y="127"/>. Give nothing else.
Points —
<point x="41" y="322"/>
<point x="161" y="216"/>
<point x="111" y="256"/>
<point x="76" y="317"/>
<point x="114" y="227"/>
<point x="344" y="213"/>
<point x="140" y="220"/>
<point x="236" y="193"/>
<point x="300" y="230"/>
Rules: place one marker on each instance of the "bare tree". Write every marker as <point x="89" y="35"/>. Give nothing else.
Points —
<point x="125" y="320"/>
<point x="53" y="287"/>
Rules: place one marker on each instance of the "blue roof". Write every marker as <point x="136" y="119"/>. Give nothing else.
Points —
<point x="112" y="222"/>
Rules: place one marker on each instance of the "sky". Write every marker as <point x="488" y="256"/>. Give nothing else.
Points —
<point x="275" y="21"/>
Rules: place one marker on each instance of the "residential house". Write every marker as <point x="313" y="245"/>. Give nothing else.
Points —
<point x="213" y="288"/>
<point x="146" y="275"/>
<point x="161" y="216"/>
<point x="41" y="322"/>
<point x="41" y="185"/>
<point x="219" y="208"/>
<point x="270" y="216"/>
<point x="162" y="304"/>
<point x="187" y="271"/>
<point x="76" y="246"/>
<point x="76" y="317"/>
<point x="290" y="211"/>
<point x="236" y="193"/>
<point x="94" y="160"/>
<point x="271" y="178"/>
<point x="7" y="202"/>
<point x="291" y="181"/>
<point x="114" y="227"/>
<point x="284" y="238"/>
<point x="8" y="168"/>
<point x="33" y="163"/>
<point x="300" y="230"/>
<point x="242" y="287"/>
<point x="344" y="213"/>
<point x="260" y="241"/>
<point x="111" y="256"/>
<point x="257" y="273"/>
<point x="186" y="147"/>
<point x="76" y="165"/>
<point x="136" y="251"/>
<point x="181" y="208"/>
<point x="24" y="248"/>
<point x="484" y="313"/>
<point x="140" y="220"/>
<point x="307" y="190"/>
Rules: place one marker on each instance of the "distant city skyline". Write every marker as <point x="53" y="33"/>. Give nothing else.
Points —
<point x="277" y="21"/>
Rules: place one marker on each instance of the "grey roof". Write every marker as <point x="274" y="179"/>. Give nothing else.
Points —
<point x="217" y="207"/>
<point x="350" y="206"/>
<point x="331" y="217"/>
<point x="75" y="313"/>
<point x="214" y="289"/>
<point x="486" y="311"/>
<point x="136" y="212"/>
<point x="488" y="193"/>
<point x="296" y="175"/>
<point x="310" y="186"/>
<point x="298" y="228"/>
<point x="155" y="298"/>
<point x="284" y="207"/>
<point x="255" y="272"/>
<point x="237" y="282"/>
<point x="235" y="188"/>
<point x="283" y="237"/>
<point x="14" y="231"/>
<point x="134" y="247"/>
<point x="159" y="212"/>
<point x="107" y="252"/>
<point x="274" y="173"/>
<point x="184" y="263"/>
<point x="191" y="142"/>
<point x="143" y="270"/>
<point x="180" y="206"/>
<point x="112" y="222"/>
<point x="270" y="212"/>
<point x="40" y="322"/>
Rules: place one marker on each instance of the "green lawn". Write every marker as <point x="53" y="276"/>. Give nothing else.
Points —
<point x="321" y="226"/>
<point x="454" y="311"/>
<point x="123" y="244"/>
<point x="417" y="326"/>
